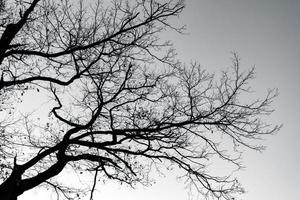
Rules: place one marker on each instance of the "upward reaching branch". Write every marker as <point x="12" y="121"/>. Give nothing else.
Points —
<point x="117" y="102"/>
<point x="12" y="29"/>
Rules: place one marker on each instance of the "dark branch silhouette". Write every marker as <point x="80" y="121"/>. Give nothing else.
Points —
<point x="119" y="104"/>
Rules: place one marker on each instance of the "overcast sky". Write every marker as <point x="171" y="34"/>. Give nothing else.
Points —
<point x="265" y="33"/>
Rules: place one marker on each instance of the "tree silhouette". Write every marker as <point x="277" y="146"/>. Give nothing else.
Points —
<point x="119" y="104"/>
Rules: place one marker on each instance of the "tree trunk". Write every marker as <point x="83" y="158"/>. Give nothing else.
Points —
<point x="9" y="188"/>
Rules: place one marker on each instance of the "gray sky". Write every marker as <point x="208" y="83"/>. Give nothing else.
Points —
<point x="265" y="33"/>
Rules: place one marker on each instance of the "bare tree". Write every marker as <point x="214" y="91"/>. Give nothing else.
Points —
<point x="119" y="104"/>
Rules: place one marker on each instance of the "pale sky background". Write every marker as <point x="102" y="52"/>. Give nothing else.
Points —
<point x="265" y="33"/>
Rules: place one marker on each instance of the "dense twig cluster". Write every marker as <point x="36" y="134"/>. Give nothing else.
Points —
<point x="118" y="101"/>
